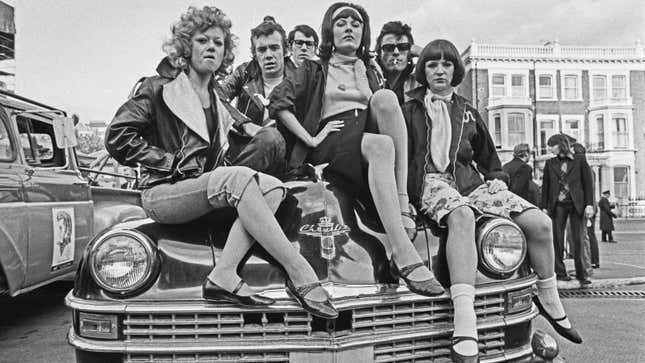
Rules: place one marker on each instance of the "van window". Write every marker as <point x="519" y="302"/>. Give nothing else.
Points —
<point x="38" y="143"/>
<point x="6" y="148"/>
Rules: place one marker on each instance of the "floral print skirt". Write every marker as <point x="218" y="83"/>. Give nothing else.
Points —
<point x="440" y="197"/>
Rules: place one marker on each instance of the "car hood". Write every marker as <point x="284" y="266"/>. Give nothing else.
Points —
<point x="338" y="235"/>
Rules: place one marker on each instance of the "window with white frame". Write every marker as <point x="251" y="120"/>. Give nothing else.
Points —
<point x="545" y="86"/>
<point x="618" y="86"/>
<point x="599" y="84"/>
<point x="571" y="89"/>
<point x="497" y="137"/>
<point x="621" y="182"/>
<point x="600" y="133"/>
<point x="517" y="85"/>
<point x="499" y="84"/>
<point x="516" y="129"/>
<point x="572" y="126"/>
<point x="621" y="137"/>
<point x="548" y="128"/>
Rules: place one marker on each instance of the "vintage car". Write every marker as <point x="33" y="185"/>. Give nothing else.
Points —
<point x="48" y="211"/>
<point x="138" y="296"/>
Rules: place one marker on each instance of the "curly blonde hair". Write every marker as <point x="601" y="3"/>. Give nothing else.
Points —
<point x="178" y="47"/>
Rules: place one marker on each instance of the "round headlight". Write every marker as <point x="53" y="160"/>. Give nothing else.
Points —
<point x="502" y="247"/>
<point x="122" y="261"/>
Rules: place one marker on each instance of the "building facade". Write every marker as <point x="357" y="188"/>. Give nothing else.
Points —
<point x="594" y="94"/>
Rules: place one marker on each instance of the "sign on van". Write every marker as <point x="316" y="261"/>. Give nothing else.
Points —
<point x="64" y="132"/>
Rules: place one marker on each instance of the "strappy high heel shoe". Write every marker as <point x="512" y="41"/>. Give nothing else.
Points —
<point x="323" y="309"/>
<point x="459" y="358"/>
<point x="410" y="231"/>
<point x="429" y="287"/>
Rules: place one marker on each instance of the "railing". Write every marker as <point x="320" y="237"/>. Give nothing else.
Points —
<point x="610" y="101"/>
<point x="553" y="51"/>
<point x="631" y="209"/>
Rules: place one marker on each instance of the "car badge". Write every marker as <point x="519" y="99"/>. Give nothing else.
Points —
<point x="326" y="230"/>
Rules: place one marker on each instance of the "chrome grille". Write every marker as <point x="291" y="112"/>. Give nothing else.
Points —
<point x="221" y="326"/>
<point x="491" y="343"/>
<point x="421" y="314"/>
<point x="208" y="357"/>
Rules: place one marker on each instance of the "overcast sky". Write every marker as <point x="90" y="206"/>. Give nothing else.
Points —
<point x="85" y="55"/>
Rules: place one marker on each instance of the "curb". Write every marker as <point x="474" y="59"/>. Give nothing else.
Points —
<point x="602" y="283"/>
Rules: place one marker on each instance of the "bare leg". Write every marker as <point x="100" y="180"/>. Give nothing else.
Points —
<point x="537" y="229"/>
<point x="237" y="245"/>
<point x="385" y="109"/>
<point x="539" y="239"/>
<point x="378" y="150"/>
<point x="257" y="219"/>
<point x="461" y="254"/>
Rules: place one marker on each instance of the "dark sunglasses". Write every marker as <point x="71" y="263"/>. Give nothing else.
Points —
<point x="402" y="47"/>
<point x="308" y="43"/>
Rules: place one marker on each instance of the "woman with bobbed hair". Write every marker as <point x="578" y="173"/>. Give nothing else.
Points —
<point x="450" y="148"/>
<point x="175" y="127"/>
<point x="334" y="111"/>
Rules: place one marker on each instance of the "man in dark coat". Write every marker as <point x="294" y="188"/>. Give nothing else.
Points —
<point x="520" y="174"/>
<point x="567" y="193"/>
<point x="606" y="217"/>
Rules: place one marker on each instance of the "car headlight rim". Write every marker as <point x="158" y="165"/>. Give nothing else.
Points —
<point x="151" y="256"/>
<point x="485" y="263"/>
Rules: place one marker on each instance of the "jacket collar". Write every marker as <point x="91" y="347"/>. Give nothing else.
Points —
<point x="182" y="100"/>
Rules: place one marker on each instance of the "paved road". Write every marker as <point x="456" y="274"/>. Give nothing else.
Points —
<point x="612" y="330"/>
<point x="33" y="327"/>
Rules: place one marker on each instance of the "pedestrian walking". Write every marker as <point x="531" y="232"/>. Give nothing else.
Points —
<point x="607" y="216"/>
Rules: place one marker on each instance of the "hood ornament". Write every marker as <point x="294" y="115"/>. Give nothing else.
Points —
<point x="326" y="230"/>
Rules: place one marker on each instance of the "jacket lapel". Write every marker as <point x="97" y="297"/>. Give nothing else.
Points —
<point x="183" y="101"/>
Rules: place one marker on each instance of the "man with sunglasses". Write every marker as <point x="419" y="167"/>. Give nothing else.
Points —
<point x="303" y="42"/>
<point x="257" y="143"/>
<point x="394" y="50"/>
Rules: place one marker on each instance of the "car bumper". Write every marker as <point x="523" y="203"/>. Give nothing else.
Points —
<point x="371" y="327"/>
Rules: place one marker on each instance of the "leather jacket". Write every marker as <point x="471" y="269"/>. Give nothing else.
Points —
<point x="245" y="82"/>
<point x="472" y="151"/>
<point x="163" y="129"/>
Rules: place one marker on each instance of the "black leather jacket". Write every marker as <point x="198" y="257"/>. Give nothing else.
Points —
<point x="161" y="128"/>
<point x="245" y="82"/>
<point x="472" y="151"/>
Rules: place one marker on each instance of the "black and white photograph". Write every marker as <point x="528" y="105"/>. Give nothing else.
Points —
<point x="312" y="182"/>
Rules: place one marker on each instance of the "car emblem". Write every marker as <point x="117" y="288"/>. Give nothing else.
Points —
<point x="326" y="230"/>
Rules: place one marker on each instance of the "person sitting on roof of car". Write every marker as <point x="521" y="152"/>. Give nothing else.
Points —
<point x="176" y="128"/>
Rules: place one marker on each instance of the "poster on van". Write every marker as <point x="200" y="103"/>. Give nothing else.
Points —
<point x="64" y="237"/>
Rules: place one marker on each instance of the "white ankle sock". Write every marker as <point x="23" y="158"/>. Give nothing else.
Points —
<point x="550" y="300"/>
<point x="465" y="320"/>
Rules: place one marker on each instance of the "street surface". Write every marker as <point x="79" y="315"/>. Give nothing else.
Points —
<point x="33" y="327"/>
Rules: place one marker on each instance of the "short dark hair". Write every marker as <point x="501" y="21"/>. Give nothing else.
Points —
<point x="398" y="29"/>
<point x="562" y="141"/>
<point x="306" y="30"/>
<point x="435" y="50"/>
<point x="267" y="27"/>
<point x="327" y="32"/>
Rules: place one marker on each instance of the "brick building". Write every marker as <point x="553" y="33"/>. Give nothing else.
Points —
<point x="595" y="94"/>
